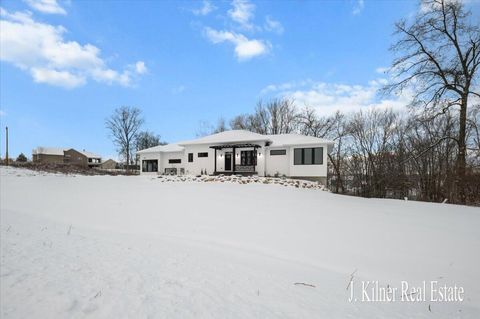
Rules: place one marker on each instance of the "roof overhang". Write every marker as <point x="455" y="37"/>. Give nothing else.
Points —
<point x="237" y="145"/>
<point x="190" y="143"/>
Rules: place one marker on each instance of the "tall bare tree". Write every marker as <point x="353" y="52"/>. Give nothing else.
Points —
<point x="439" y="52"/>
<point x="123" y="126"/>
<point x="147" y="139"/>
<point x="221" y="126"/>
<point x="206" y="127"/>
<point x="241" y="122"/>
<point x="277" y="116"/>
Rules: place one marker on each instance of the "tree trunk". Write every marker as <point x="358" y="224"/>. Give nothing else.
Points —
<point x="128" y="158"/>
<point x="337" y="174"/>
<point x="462" y="147"/>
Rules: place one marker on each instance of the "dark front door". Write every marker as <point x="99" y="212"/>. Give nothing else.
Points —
<point x="228" y="161"/>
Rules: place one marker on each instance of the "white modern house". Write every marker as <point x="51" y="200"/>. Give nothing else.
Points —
<point x="241" y="152"/>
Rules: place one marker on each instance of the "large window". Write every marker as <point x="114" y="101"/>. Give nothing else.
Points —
<point x="203" y="154"/>
<point x="174" y="161"/>
<point x="248" y="158"/>
<point x="308" y="156"/>
<point x="190" y="157"/>
<point x="150" y="166"/>
<point x="278" y="152"/>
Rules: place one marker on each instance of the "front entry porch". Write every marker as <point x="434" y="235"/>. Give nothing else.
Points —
<point x="235" y="160"/>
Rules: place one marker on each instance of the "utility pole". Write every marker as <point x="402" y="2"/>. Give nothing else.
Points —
<point x="6" y="145"/>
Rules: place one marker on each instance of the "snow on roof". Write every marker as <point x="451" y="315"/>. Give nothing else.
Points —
<point x="89" y="154"/>
<point x="296" y="139"/>
<point x="240" y="136"/>
<point x="233" y="136"/>
<point x="162" y="148"/>
<point x="60" y="150"/>
<point x="49" y="150"/>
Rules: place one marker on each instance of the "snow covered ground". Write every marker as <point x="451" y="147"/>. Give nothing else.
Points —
<point x="135" y="247"/>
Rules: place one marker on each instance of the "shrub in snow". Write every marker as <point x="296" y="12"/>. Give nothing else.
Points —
<point x="21" y="158"/>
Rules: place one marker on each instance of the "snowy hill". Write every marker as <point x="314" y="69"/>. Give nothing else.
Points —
<point x="135" y="247"/>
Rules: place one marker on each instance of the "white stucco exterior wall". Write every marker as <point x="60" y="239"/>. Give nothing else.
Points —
<point x="166" y="156"/>
<point x="199" y="163"/>
<point x="308" y="170"/>
<point x="277" y="164"/>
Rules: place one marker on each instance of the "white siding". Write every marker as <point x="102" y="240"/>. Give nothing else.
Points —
<point x="278" y="164"/>
<point x="172" y="155"/>
<point x="199" y="163"/>
<point x="308" y="170"/>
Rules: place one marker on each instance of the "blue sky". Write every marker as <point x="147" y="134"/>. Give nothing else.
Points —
<point x="66" y="65"/>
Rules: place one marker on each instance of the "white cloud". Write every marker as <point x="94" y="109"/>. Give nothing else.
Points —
<point x="46" y="6"/>
<point x="205" y="9"/>
<point x="242" y="15"/>
<point x="3" y="113"/>
<point x="242" y="12"/>
<point x="285" y="86"/>
<point x="358" y="7"/>
<point x="327" y="98"/>
<point x="382" y="70"/>
<point x="140" y="67"/>
<point x="41" y="49"/>
<point x="244" y="48"/>
<point x="58" y="78"/>
<point x="273" y="25"/>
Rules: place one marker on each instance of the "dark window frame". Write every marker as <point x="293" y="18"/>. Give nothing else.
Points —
<point x="190" y="157"/>
<point x="248" y="158"/>
<point x="299" y="156"/>
<point x="154" y="166"/>
<point x="202" y="154"/>
<point x="174" y="161"/>
<point x="278" y="152"/>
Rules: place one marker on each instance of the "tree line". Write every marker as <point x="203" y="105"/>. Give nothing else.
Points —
<point x="380" y="152"/>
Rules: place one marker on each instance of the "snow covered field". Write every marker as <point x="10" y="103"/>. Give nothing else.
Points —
<point x="135" y="247"/>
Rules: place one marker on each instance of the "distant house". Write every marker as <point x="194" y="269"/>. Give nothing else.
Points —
<point x="109" y="164"/>
<point x="48" y="155"/>
<point x="242" y="152"/>
<point x="71" y="156"/>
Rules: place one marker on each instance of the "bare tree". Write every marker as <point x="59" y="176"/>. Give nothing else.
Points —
<point x="123" y="126"/>
<point x="309" y="123"/>
<point x="206" y="127"/>
<point x="147" y="139"/>
<point x="338" y="132"/>
<point x="221" y="126"/>
<point x="241" y="122"/>
<point x="277" y="116"/>
<point x="439" y="52"/>
<point x="372" y="134"/>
